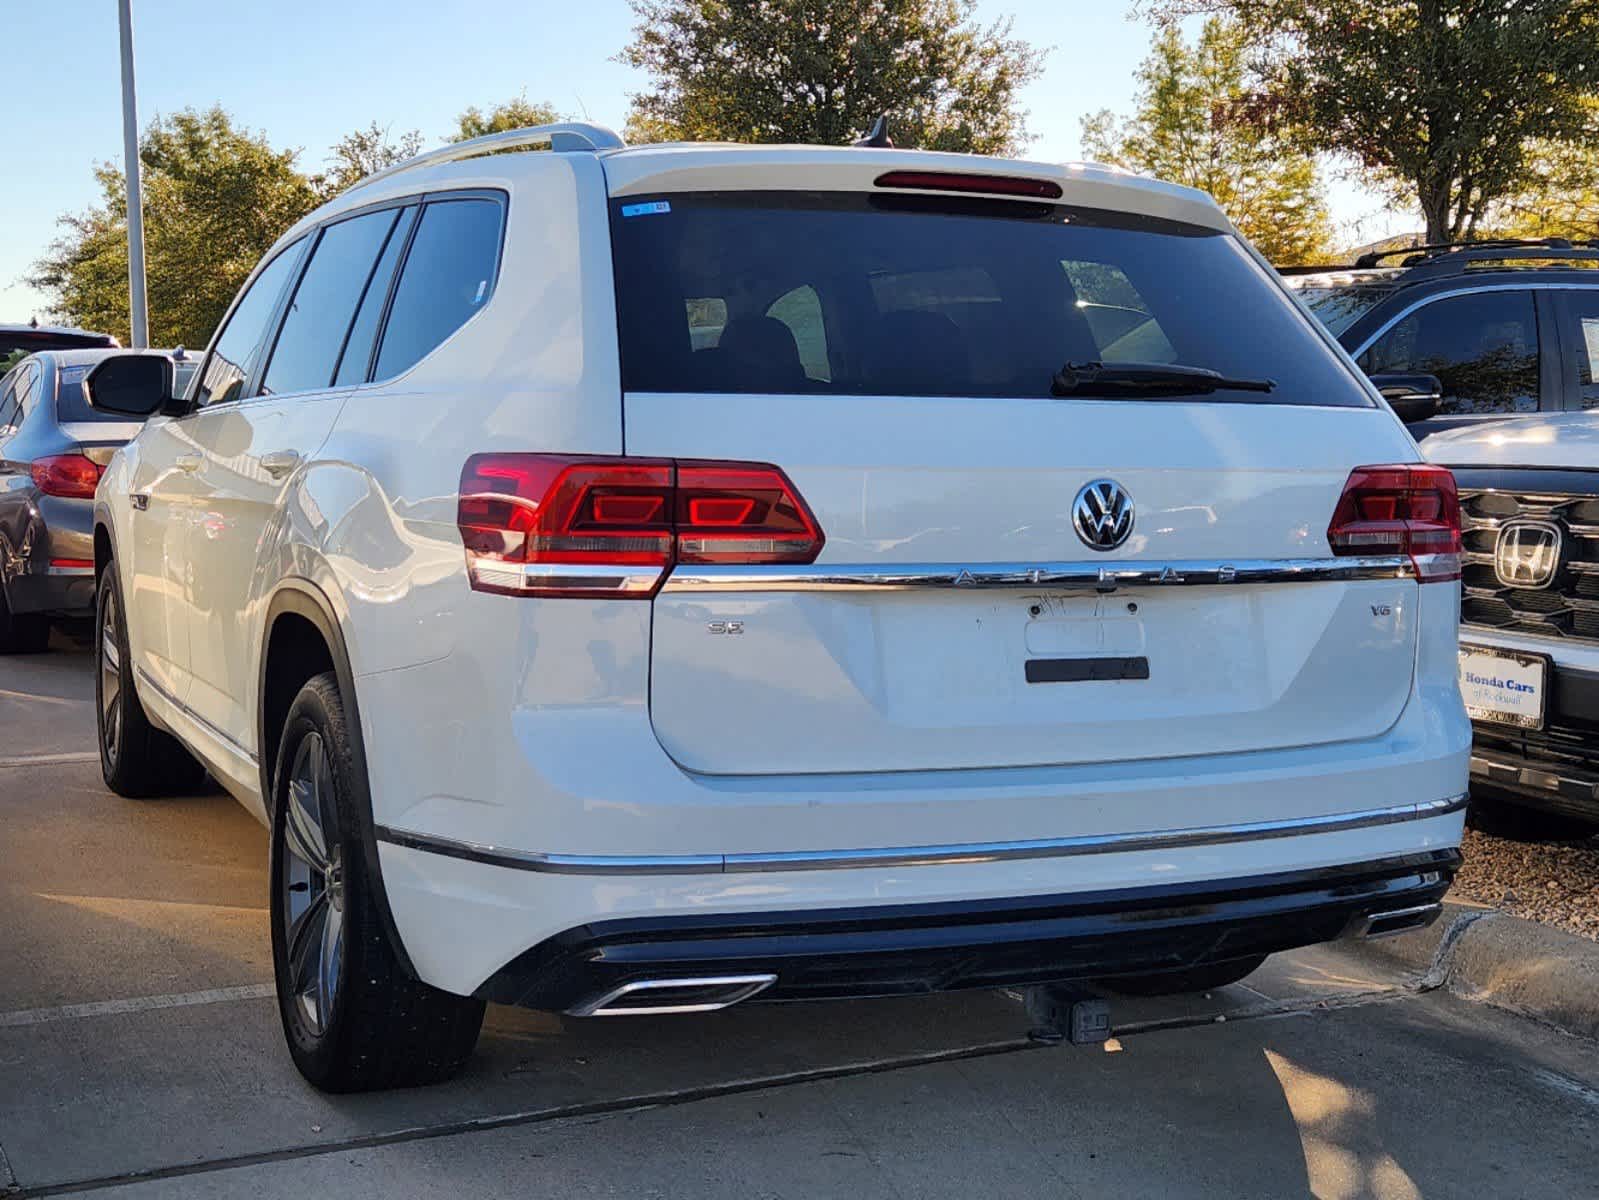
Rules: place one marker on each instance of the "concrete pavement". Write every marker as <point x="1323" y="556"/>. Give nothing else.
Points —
<point x="140" y="1057"/>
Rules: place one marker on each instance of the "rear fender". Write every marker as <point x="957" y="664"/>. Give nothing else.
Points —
<point x="306" y="600"/>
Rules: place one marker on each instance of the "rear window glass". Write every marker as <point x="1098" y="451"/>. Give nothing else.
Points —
<point x="862" y="294"/>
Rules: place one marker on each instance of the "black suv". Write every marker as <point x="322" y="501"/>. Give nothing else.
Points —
<point x="1467" y="332"/>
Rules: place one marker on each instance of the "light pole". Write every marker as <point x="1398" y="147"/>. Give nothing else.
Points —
<point x="140" y="318"/>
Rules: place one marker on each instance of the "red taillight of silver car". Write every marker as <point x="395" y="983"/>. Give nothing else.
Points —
<point x="70" y="475"/>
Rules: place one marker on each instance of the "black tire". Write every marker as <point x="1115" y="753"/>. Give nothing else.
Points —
<point x="364" y="1023"/>
<point x="1192" y="979"/>
<point x="1501" y="815"/>
<point x="137" y="760"/>
<point x="22" y="633"/>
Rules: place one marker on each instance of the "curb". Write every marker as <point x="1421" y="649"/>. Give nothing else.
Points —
<point x="1517" y="965"/>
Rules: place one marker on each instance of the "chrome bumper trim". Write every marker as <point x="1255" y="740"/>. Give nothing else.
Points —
<point x="1050" y="576"/>
<point x="1517" y="772"/>
<point x="601" y="578"/>
<point x="915" y="856"/>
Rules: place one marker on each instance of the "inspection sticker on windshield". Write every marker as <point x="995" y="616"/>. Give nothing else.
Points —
<point x="644" y="210"/>
<point x="1503" y="686"/>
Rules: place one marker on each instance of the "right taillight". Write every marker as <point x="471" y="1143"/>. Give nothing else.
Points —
<point x="71" y="475"/>
<point x="1408" y="509"/>
<point x="564" y="525"/>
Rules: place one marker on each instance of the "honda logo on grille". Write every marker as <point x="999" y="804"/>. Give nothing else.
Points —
<point x="1527" y="554"/>
<point x="1102" y="514"/>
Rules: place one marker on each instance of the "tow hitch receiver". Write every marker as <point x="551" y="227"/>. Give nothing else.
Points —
<point x="1060" y="1012"/>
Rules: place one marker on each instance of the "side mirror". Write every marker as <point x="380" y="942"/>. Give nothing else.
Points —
<point x="1412" y="397"/>
<point x="131" y="385"/>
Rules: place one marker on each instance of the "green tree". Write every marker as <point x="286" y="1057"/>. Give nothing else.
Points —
<point x="215" y="199"/>
<point x="516" y="113"/>
<point x="359" y="154"/>
<point x="1187" y="130"/>
<point x="823" y="71"/>
<point x="1442" y="99"/>
<point x="1558" y="195"/>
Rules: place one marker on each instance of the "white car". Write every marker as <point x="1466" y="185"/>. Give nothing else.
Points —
<point x="638" y="580"/>
<point x="1529" y="649"/>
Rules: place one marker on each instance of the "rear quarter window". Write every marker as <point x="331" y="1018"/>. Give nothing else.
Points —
<point x="447" y="278"/>
<point x="865" y="294"/>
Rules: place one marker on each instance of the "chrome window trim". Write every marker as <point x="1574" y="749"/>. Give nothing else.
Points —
<point x="1528" y="285"/>
<point x="917" y="856"/>
<point x="1050" y="576"/>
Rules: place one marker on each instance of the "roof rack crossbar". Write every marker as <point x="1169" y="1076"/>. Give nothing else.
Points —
<point x="562" y="137"/>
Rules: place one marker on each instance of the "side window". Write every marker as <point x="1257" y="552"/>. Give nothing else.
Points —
<point x="447" y="278"/>
<point x="801" y="311"/>
<point x="27" y="396"/>
<point x="358" y="346"/>
<point x="1119" y="318"/>
<point x="1483" y="347"/>
<point x="324" y="304"/>
<point x="10" y="388"/>
<point x="222" y="377"/>
<point x="1582" y="311"/>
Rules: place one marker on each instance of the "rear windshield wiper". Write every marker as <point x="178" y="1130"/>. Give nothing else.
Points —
<point x="1147" y="379"/>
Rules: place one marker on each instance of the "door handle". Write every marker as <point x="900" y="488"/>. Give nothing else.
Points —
<point x="280" y="462"/>
<point x="187" y="462"/>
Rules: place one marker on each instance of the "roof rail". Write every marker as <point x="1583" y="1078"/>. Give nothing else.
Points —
<point x="562" y="137"/>
<point x="1439" y="266"/>
<point x="1441" y="249"/>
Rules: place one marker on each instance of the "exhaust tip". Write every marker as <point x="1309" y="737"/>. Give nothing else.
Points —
<point x="657" y="997"/>
<point x="1395" y="921"/>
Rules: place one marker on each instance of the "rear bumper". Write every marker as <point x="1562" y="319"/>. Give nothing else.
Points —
<point x="530" y="932"/>
<point x="913" y="949"/>
<point x="59" y="577"/>
<point x="64" y="590"/>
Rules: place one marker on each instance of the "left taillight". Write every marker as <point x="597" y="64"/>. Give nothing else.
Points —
<point x="580" y="526"/>
<point x="1408" y="509"/>
<point x="71" y="475"/>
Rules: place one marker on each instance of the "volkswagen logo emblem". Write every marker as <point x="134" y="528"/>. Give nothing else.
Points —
<point x="1527" y="554"/>
<point x="1102" y="514"/>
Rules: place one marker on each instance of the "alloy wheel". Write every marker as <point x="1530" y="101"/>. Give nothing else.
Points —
<point x="110" y="680"/>
<point x="312" y="880"/>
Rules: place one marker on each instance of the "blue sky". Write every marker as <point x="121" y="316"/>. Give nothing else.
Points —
<point x="307" y="73"/>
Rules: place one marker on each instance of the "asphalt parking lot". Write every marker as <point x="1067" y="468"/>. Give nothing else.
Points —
<point x="140" y="1056"/>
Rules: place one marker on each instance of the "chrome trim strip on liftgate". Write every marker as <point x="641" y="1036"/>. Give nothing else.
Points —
<point x="1052" y="576"/>
<point x="916" y="856"/>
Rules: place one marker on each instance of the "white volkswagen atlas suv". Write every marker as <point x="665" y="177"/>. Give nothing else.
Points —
<point x="640" y="580"/>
